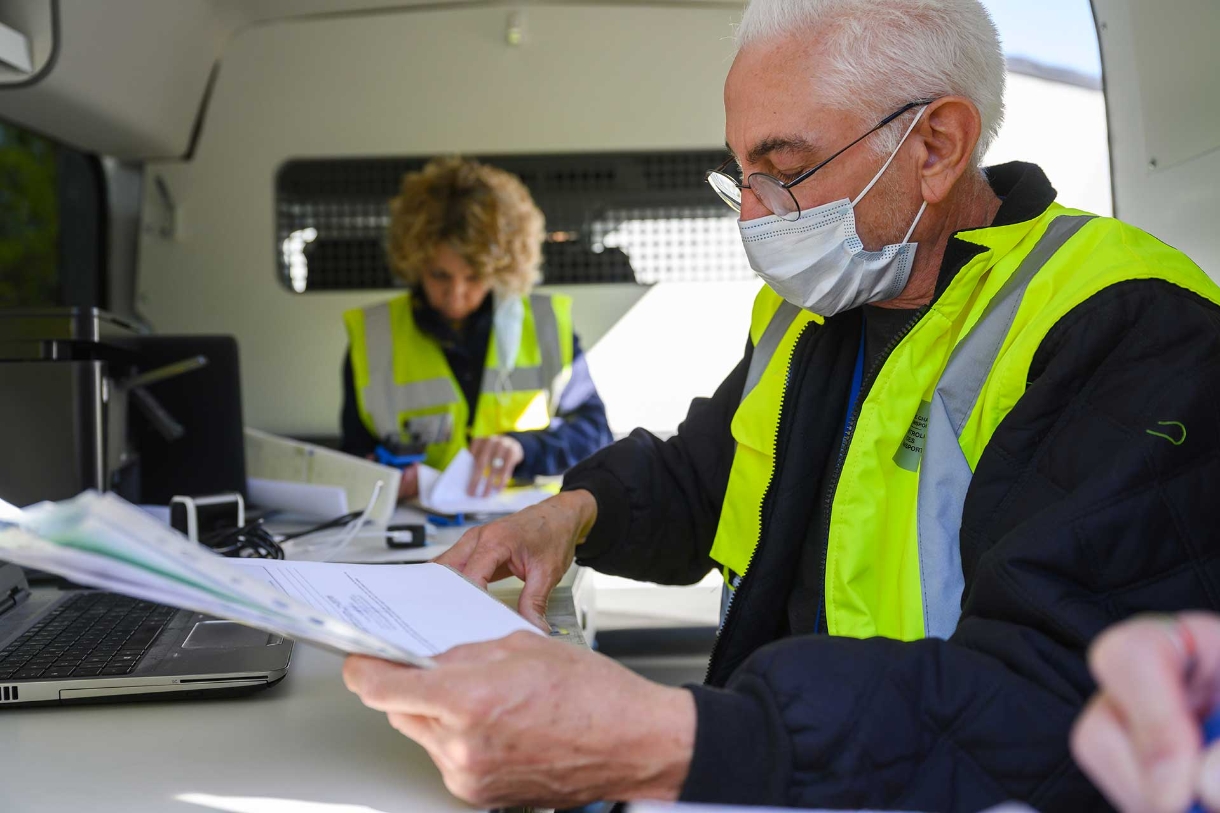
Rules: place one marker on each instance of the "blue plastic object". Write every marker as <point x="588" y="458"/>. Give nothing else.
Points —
<point x="399" y="461"/>
<point x="446" y="520"/>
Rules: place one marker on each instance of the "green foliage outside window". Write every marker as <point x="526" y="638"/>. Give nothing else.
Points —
<point x="29" y="220"/>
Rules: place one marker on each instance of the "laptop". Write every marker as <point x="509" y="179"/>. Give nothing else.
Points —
<point x="88" y="646"/>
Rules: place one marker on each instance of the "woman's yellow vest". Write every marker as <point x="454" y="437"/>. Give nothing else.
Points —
<point x="407" y="393"/>
<point x="893" y="560"/>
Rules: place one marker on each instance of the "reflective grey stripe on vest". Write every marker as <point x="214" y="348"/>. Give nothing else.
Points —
<point x="944" y="474"/>
<point x="383" y="399"/>
<point x="768" y="343"/>
<point x="547" y="329"/>
<point x="522" y="379"/>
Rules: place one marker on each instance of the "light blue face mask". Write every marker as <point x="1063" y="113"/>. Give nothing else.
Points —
<point x="817" y="262"/>
<point x="507" y="323"/>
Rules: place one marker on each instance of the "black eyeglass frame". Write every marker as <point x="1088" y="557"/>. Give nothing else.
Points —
<point x="804" y="176"/>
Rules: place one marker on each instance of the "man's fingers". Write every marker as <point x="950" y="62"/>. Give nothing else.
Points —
<point x="1209" y="779"/>
<point x="1104" y="750"/>
<point x="458" y="555"/>
<point x="1141" y="673"/>
<point x="424" y="730"/>
<point x="1204" y="691"/>
<point x="485" y="561"/>
<point x="395" y="688"/>
<point x="474" y="654"/>
<point x="533" y="600"/>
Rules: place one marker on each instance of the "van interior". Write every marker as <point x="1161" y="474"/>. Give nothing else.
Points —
<point x="223" y="167"/>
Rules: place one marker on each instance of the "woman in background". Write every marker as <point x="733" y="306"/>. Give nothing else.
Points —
<point x="470" y="357"/>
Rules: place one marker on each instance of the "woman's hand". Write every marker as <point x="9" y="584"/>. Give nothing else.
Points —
<point x="408" y="486"/>
<point x="495" y="459"/>
<point x="1139" y="738"/>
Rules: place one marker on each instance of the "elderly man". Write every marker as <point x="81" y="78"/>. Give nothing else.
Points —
<point x="972" y="429"/>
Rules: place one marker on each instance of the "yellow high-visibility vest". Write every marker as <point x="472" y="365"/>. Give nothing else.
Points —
<point x="893" y="561"/>
<point x="407" y="393"/>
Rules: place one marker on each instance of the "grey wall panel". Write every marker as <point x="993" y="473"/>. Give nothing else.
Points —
<point x="1163" y="97"/>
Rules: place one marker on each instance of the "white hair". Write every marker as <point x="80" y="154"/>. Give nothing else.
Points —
<point x="885" y="53"/>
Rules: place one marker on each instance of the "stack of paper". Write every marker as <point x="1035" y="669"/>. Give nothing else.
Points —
<point x="299" y="499"/>
<point x="269" y="457"/>
<point x="405" y="613"/>
<point x="445" y="492"/>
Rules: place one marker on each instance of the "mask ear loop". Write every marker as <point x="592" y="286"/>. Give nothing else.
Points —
<point x="503" y="389"/>
<point x="911" y="230"/>
<point x="503" y="386"/>
<point x="889" y="160"/>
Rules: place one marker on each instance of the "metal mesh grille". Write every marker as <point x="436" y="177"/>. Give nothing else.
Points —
<point x="611" y="217"/>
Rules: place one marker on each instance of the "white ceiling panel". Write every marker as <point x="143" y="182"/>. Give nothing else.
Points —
<point x="128" y="77"/>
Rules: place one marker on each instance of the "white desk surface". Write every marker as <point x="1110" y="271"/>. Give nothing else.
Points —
<point x="369" y="547"/>
<point x="306" y="745"/>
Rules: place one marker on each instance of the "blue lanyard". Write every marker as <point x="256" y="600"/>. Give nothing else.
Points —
<point x="857" y="380"/>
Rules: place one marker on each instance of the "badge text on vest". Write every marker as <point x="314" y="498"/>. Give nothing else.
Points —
<point x="910" y="452"/>
<point x="429" y="429"/>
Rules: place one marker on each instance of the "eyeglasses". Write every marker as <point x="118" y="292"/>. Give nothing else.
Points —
<point x="771" y="191"/>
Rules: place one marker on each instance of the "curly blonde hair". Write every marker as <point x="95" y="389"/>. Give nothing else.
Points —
<point x="484" y="214"/>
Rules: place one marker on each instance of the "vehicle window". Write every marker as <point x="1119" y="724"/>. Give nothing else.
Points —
<point x="611" y="217"/>
<point x="29" y="220"/>
<point x="1056" y="109"/>
<point x="50" y="211"/>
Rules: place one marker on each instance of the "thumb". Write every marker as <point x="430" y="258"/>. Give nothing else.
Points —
<point x="532" y="603"/>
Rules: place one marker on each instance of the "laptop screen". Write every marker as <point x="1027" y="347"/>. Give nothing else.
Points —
<point x="210" y="457"/>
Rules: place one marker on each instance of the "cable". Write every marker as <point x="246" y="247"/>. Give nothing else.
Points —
<point x="250" y="541"/>
<point x="325" y="526"/>
<point x="351" y="524"/>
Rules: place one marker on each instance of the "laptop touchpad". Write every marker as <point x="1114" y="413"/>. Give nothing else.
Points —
<point x="227" y="635"/>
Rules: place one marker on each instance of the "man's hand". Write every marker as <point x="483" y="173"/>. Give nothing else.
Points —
<point x="536" y="545"/>
<point x="495" y="459"/>
<point x="1139" y="737"/>
<point x="531" y="721"/>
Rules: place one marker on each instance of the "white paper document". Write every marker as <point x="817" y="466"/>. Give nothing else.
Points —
<point x="445" y="492"/>
<point x="9" y="512"/>
<point x="424" y="608"/>
<point x="301" y="499"/>
<point x="404" y="613"/>
<point x="270" y="457"/>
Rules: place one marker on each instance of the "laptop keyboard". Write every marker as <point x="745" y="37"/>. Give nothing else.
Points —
<point x="88" y="635"/>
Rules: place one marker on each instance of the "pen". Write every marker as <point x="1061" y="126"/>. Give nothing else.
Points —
<point x="1211" y="733"/>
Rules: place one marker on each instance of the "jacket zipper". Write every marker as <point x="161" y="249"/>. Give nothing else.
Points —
<point x="837" y="472"/>
<point x="762" y="508"/>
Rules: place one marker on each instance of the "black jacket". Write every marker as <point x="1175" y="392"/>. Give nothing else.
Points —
<point x="580" y="428"/>
<point x="1076" y="518"/>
